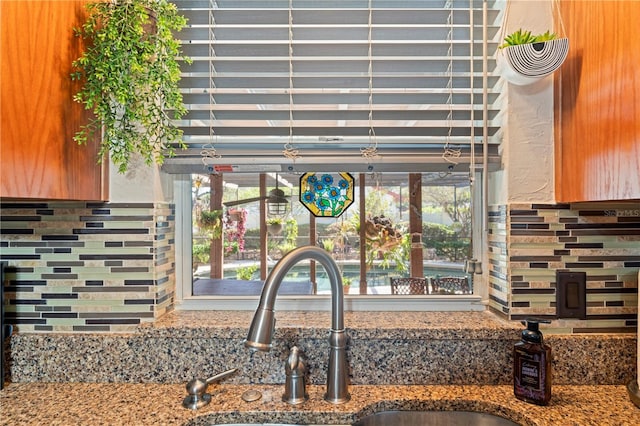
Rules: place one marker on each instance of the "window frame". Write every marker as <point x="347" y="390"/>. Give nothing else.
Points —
<point x="185" y="300"/>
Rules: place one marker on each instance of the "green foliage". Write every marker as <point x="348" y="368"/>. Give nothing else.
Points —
<point x="210" y="222"/>
<point x="397" y="256"/>
<point x="446" y="241"/>
<point x="545" y="37"/>
<point x="231" y="247"/>
<point x="525" y="37"/>
<point x="377" y="202"/>
<point x="246" y="272"/>
<point x="201" y="252"/>
<point x="347" y="281"/>
<point x="286" y="247"/>
<point x="291" y="231"/>
<point x="458" y="210"/>
<point x="328" y="244"/>
<point x="130" y="75"/>
<point x="252" y="239"/>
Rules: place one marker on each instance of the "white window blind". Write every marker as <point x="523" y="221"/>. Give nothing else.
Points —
<point x="336" y="82"/>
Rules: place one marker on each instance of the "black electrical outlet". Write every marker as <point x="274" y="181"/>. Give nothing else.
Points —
<point x="571" y="294"/>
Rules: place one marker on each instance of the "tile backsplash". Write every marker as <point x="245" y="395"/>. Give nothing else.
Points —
<point x="107" y="267"/>
<point x="528" y="243"/>
<point x="87" y="267"/>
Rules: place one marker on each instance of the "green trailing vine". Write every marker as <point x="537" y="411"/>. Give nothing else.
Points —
<point x="130" y="72"/>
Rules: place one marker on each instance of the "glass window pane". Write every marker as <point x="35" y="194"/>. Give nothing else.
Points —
<point x="251" y="246"/>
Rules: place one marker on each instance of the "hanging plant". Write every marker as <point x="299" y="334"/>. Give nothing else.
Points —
<point x="210" y="222"/>
<point x="385" y="242"/>
<point x="382" y="234"/>
<point x="130" y="75"/>
<point x="235" y="227"/>
<point x="274" y="225"/>
<point x="525" y="37"/>
<point x="525" y="58"/>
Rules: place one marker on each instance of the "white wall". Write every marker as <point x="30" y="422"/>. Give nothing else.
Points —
<point x="140" y="184"/>
<point x="527" y="147"/>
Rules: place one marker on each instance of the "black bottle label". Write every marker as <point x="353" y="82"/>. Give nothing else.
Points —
<point x="530" y="373"/>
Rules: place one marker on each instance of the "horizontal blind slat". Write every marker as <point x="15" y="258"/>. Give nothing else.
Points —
<point x="243" y="91"/>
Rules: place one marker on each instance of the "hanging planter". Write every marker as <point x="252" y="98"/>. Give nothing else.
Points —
<point x="524" y="64"/>
<point x="525" y="58"/>
<point x="236" y="215"/>
<point x="210" y="222"/>
<point x="274" y="226"/>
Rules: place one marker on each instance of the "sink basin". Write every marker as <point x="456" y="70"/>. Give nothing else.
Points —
<point x="413" y="418"/>
<point x="440" y="418"/>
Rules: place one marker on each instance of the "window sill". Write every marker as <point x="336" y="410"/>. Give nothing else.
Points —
<point x="434" y="303"/>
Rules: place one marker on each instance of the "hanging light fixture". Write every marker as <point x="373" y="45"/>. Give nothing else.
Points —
<point x="277" y="202"/>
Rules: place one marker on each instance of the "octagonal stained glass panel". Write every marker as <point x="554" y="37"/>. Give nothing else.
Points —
<point x="326" y="194"/>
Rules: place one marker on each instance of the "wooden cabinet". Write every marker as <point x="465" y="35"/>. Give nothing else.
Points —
<point x="38" y="157"/>
<point x="597" y="101"/>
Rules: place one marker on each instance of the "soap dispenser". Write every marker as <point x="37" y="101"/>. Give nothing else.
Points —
<point x="532" y="365"/>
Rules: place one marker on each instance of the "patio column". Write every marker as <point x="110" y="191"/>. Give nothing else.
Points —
<point x="416" y="268"/>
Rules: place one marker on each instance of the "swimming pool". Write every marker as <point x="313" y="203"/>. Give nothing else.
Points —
<point x="378" y="278"/>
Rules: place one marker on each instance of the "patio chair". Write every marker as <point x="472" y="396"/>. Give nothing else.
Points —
<point x="451" y="285"/>
<point x="410" y="285"/>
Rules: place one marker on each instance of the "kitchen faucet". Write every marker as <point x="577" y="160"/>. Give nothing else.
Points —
<point x="261" y="330"/>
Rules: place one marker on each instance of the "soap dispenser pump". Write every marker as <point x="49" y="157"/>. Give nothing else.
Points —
<point x="532" y="365"/>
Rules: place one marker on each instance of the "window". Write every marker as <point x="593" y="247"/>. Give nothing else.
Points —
<point x="248" y="247"/>
<point x="373" y="87"/>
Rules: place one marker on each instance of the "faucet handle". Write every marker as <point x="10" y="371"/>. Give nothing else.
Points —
<point x="197" y="390"/>
<point x="295" y="387"/>
<point x="295" y="365"/>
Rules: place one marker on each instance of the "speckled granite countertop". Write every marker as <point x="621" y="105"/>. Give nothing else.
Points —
<point x="456" y="360"/>
<point x="155" y="404"/>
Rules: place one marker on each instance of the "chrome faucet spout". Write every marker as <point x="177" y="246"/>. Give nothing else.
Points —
<point x="260" y="333"/>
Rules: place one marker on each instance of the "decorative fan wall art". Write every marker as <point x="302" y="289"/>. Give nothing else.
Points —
<point x="326" y="194"/>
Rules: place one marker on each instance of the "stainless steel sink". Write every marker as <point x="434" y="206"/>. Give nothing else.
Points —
<point x="414" y="418"/>
<point x="439" y="418"/>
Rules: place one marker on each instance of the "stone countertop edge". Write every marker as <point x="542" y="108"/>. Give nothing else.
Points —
<point x="360" y="325"/>
<point x="160" y="404"/>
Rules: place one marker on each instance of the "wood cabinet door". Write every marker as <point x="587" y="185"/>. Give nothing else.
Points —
<point x="597" y="101"/>
<point x="38" y="157"/>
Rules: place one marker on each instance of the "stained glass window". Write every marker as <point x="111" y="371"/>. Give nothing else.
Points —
<point x="326" y="194"/>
